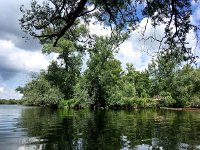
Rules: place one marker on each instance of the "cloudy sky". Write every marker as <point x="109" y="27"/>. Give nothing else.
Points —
<point x="18" y="58"/>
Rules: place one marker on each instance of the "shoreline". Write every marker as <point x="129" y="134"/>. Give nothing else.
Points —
<point x="181" y="109"/>
<point x="165" y="108"/>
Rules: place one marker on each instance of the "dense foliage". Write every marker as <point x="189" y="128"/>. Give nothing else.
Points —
<point x="61" y="26"/>
<point x="168" y="81"/>
<point x="10" y="101"/>
<point x="175" y="79"/>
<point x="40" y="92"/>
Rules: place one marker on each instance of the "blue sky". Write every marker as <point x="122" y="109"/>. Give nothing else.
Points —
<point x="19" y="58"/>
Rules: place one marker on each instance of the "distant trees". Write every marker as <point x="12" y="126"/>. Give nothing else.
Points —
<point x="10" y="101"/>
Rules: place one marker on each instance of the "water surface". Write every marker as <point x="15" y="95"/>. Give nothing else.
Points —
<point x="34" y="128"/>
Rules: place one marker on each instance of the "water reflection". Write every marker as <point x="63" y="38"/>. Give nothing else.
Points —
<point x="46" y="129"/>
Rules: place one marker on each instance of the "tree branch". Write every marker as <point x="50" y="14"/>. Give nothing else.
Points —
<point x="72" y="17"/>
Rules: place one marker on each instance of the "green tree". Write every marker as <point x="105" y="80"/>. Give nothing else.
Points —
<point x="40" y="92"/>
<point x="171" y="79"/>
<point x="65" y="74"/>
<point x="139" y="80"/>
<point x="103" y="72"/>
<point x="162" y="70"/>
<point x="186" y="85"/>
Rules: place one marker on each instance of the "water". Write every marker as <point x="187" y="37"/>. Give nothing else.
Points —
<point x="34" y="128"/>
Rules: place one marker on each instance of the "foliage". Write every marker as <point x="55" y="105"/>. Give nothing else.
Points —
<point x="54" y="18"/>
<point x="39" y="92"/>
<point x="187" y="84"/>
<point x="61" y="26"/>
<point x="104" y="84"/>
<point x="134" y="103"/>
<point x="162" y="70"/>
<point x="195" y="101"/>
<point x="166" y="99"/>
<point x="175" y="82"/>
<point x="10" y="101"/>
<point x="64" y="75"/>
<point x="168" y="81"/>
<point x="103" y="72"/>
<point x="81" y="95"/>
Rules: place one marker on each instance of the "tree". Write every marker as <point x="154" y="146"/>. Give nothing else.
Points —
<point x="103" y="72"/>
<point x="186" y="83"/>
<point x="53" y="18"/>
<point x="65" y="74"/>
<point x="172" y="79"/>
<point x="65" y="80"/>
<point x="162" y="70"/>
<point x="40" y="92"/>
<point x="138" y="81"/>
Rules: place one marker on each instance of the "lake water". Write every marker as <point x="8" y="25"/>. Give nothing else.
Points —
<point x="34" y="128"/>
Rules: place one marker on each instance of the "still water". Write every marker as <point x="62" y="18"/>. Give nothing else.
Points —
<point x="34" y="128"/>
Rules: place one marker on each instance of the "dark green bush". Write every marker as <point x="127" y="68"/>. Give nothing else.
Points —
<point x="195" y="102"/>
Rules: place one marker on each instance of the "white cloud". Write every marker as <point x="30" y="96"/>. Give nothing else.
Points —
<point x="138" y="51"/>
<point x="1" y="89"/>
<point x="22" y="60"/>
<point x="127" y="54"/>
<point x="19" y="61"/>
<point x="8" y="93"/>
<point x="134" y="50"/>
<point x="98" y="29"/>
<point x="9" y="24"/>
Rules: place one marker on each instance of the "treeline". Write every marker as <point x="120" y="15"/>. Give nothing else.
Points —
<point x="102" y="82"/>
<point x="10" y="101"/>
<point x="169" y="81"/>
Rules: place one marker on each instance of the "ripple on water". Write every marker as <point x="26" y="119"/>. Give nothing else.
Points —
<point x="24" y="128"/>
<point x="10" y="133"/>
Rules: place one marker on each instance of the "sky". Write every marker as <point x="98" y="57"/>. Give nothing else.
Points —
<point x="20" y="57"/>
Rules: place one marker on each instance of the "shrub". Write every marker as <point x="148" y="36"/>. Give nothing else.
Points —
<point x="195" y="102"/>
<point x="40" y="92"/>
<point x="135" y="103"/>
<point x="166" y="99"/>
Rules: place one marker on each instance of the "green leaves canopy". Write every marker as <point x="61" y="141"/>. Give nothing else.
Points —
<point x="52" y="19"/>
